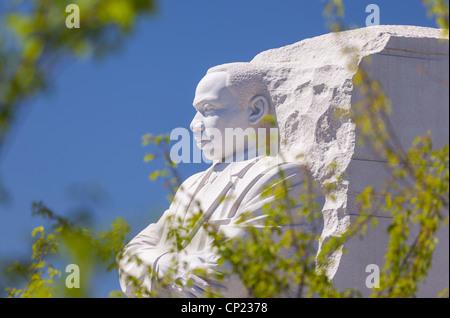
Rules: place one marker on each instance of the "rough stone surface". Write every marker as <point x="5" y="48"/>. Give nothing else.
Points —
<point x="311" y="81"/>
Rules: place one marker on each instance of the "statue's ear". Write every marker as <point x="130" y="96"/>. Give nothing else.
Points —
<point x="258" y="108"/>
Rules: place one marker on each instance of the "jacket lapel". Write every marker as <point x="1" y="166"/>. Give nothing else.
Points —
<point x="210" y="199"/>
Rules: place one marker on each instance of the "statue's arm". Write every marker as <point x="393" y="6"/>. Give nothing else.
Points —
<point x="146" y="254"/>
<point x="139" y="256"/>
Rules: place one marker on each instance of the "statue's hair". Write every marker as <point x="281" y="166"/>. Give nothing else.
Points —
<point x="245" y="81"/>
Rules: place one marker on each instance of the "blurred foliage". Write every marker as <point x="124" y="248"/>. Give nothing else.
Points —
<point x="34" y="40"/>
<point x="439" y="10"/>
<point x="161" y="151"/>
<point x="334" y="12"/>
<point x="34" y="43"/>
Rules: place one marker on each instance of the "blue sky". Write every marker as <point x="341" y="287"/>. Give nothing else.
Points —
<point x="85" y="132"/>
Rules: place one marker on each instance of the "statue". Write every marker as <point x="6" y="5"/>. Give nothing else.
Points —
<point x="308" y="87"/>
<point x="230" y="96"/>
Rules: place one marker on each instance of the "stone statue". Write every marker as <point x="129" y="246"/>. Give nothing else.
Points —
<point x="229" y="96"/>
<point x="308" y="87"/>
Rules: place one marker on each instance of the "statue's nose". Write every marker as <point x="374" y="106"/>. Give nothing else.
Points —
<point x="197" y="124"/>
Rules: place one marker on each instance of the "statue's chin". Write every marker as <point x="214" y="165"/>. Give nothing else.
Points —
<point x="226" y="158"/>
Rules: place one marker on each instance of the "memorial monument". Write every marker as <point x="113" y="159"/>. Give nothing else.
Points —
<point x="307" y="86"/>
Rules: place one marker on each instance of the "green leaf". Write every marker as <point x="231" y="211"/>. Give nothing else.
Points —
<point x="36" y="230"/>
<point x="149" y="157"/>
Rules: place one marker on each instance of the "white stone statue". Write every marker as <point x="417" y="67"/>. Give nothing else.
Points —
<point x="305" y="86"/>
<point x="229" y="96"/>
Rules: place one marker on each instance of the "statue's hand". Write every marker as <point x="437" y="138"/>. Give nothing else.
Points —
<point x="187" y="274"/>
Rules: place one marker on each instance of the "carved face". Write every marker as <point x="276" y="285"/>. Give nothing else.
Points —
<point x="217" y="111"/>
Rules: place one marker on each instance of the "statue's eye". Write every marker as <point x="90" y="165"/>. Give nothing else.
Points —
<point x="208" y="107"/>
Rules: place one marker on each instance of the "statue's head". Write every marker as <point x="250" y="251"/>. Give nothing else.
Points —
<point x="229" y="96"/>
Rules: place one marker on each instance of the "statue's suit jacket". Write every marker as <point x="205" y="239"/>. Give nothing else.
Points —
<point x="221" y="194"/>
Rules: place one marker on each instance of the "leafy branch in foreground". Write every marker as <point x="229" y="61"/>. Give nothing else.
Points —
<point x="64" y="244"/>
<point x="34" y="41"/>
